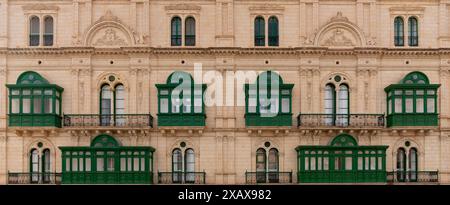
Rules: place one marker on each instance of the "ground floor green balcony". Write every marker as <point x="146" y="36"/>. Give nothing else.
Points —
<point x="341" y="176"/>
<point x="412" y="119"/>
<point x="185" y="119"/>
<point x="256" y="119"/>
<point x="34" y="120"/>
<point x="108" y="177"/>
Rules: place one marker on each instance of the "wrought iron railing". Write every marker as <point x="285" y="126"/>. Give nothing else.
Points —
<point x="118" y="120"/>
<point x="34" y="178"/>
<point x="181" y="177"/>
<point x="413" y="176"/>
<point x="268" y="177"/>
<point x="340" y="120"/>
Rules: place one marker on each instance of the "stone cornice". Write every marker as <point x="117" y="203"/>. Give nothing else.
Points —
<point x="374" y="51"/>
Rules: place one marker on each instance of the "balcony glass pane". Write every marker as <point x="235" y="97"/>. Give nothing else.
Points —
<point x="419" y="105"/>
<point x="26" y="105"/>
<point x="408" y="105"/>
<point x="37" y="105"/>
<point x="285" y="105"/>
<point x="431" y="105"/>
<point x="15" y="105"/>
<point x="48" y="107"/>
<point x="164" y="106"/>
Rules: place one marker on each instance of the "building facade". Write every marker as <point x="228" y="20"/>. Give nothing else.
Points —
<point x="87" y="86"/>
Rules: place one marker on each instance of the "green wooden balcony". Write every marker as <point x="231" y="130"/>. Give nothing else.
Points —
<point x="255" y="119"/>
<point x="268" y="177"/>
<point x="181" y="177"/>
<point x="101" y="120"/>
<point x="34" y="120"/>
<point x="185" y="119"/>
<point x="340" y="120"/>
<point x="412" y="119"/>
<point x="341" y="176"/>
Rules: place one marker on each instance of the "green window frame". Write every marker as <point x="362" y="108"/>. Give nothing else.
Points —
<point x="343" y="160"/>
<point x="181" y="104"/>
<point x="106" y="161"/>
<point x="280" y="105"/>
<point x="33" y="101"/>
<point x="413" y="26"/>
<point x="399" y="36"/>
<point x="175" y="31"/>
<point x="273" y="31"/>
<point x="260" y="31"/>
<point x="412" y="102"/>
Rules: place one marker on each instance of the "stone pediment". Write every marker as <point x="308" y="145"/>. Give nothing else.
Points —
<point x="110" y="31"/>
<point x="339" y="32"/>
<point x="339" y="37"/>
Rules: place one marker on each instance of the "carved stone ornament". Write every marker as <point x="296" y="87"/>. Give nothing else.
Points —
<point x="110" y="38"/>
<point x="338" y="38"/>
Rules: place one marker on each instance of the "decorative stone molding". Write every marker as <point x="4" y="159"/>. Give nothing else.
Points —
<point x="405" y="10"/>
<point x="110" y="31"/>
<point x="190" y="7"/>
<point x="112" y="79"/>
<point x="340" y="32"/>
<point x="40" y="8"/>
<point x="266" y="9"/>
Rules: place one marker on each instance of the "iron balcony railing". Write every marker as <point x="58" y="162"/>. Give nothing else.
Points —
<point x="340" y="120"/>
<point x="98" y="120"/>
<point x="34" y="178"/>
<point x="181" y="177"/>
<point x="413" y="176"/>
<point x="268" y="177"/>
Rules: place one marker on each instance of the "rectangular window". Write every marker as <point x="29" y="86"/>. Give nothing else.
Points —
<point x="176" y="105"/>
<point x="198" y="104"/>
<point x="285" y="105"/>
<point x="100" y="165"/>
<point x="164" y="105"/>
<point x="135" y="163"/>
<point x="15" y="105"/>
<point x="430" y="92"/>
<point x="252" y="105"/>
<point x="48" y="107"/>
<point x="389" y="106"/>
<point x="74" y="164"/>
<point x="430" y="105"/>
<point x="37" y="103"/>
<point x="325" y="163"/>
<point x="88" y="164"/>
<point x="408" y="105"/>
<point x="123" y="164"/>
<point x="187" y="105"/>
<point x="419" y="105"/>
<point x="57" y="106"/>
<point x="398" y="105"/>
<point x="26" y="105"/>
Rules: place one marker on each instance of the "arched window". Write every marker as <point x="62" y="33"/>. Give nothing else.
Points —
<point x="189" y="37"/>
<point x="413" y="164"/>
<point x="48" y="31"/>
<point x="273" y="31"/>
<point x="259" y="31"/>
<point x="343" y="103"/>
<point x="46" y="165"/>
<point x="401" y="164"/>
<point x="413" y="31"/>
<point x="273" y="166"/>
<point x="34" y="31"/>
<point x="177" y="166"/>
<point x="34" y="165"/>
<point x="330" y="104"/>
<point x="189" y="165"/>
<point x="399" y="31"/>
<point x="112" y="105"/>
<point x="176" y="31"/>
<point x="261" y="165"/>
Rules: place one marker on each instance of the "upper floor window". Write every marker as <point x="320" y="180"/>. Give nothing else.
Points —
<point x="398" y="31"/>
<point x="260" y="34"/>
<point x="273" y="31"/>
<point x="413" y="31"/>
<point x="48" y="31"/>
<point x="34" y="31"/>
<point x="412" y="28"/>
<point x="34" y="101"/>
<point x="37" y="38"/>
<point x="183" y="165"/>
<point x="337" y="102"/>
<point x="177" y="31"/>
<point x="190" y="32"/>
<point x="407" y="164"/>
